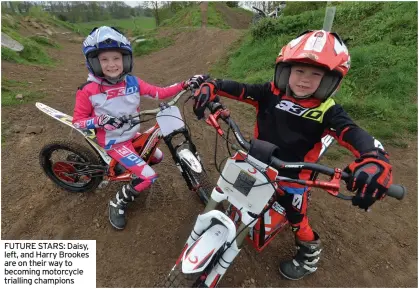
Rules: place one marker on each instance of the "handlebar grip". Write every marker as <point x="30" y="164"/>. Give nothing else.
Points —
<point x="397" y="191"/>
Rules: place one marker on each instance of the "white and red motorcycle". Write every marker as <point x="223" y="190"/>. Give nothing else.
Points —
<point x="76" y="168"/>
<point x="249" y="186"/>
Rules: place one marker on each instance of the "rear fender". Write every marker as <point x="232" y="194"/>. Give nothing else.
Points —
<point x="89" y="134"/>
<point x="200" y="254"/>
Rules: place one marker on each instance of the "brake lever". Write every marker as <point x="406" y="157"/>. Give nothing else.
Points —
<point x="332" y="186"/>
<point x="335" y="180"/>
<point x="189" y="98"/>
<point x="129" y="121"/>
<point x="128" y="129"/>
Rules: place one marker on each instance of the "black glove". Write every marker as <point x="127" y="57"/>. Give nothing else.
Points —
<point x="371" y="176"/>
<point x="195" y="81"/>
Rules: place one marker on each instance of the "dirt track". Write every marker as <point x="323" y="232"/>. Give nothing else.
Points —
<point x="376" y="249"/>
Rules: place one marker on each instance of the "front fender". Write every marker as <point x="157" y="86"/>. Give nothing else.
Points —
<point x="187" y="157"/>
<point x="200" y="254"/>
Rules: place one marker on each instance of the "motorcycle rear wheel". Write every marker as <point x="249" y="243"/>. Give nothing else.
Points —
<point x="63" y="172"/>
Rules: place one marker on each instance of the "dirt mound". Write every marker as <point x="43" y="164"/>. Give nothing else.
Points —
<point x="235" y="19"/>
<point x="376" y="249"/>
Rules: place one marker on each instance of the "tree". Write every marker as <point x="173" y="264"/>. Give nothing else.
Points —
<point x="155" y="6"/>
<point x="232" y="4"/>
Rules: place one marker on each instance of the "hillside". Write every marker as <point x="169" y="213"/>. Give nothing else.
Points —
<point x="382" y="40"/>
<point x="214" y="14"/>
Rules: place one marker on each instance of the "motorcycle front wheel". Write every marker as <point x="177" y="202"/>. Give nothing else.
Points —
<point x="201" y="182"/>
<point x="177" y="279"/>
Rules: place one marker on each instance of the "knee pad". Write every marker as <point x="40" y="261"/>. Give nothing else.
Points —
<point x="295" y="218"/>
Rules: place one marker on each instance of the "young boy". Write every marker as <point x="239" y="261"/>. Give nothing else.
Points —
<point x="294" y="112"/>
<point x="112" y="92"/>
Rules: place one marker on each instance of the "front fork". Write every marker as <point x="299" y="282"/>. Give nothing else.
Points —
<point x="173" y="151"/>
<point x="234" y="243"/>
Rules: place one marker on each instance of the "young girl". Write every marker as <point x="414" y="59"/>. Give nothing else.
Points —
<point x="111" y="92"/>
<point x="294" y="112"/>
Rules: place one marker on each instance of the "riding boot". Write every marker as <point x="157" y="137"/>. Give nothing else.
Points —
<point x="304" y="262"/>
<point x="118" y="205"/>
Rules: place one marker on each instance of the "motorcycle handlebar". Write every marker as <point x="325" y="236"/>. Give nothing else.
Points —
<point x="129" y="118"/>
<point x="395" y="191"/>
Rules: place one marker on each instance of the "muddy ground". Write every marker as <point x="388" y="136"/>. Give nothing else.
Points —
<point x="375" y="249"/>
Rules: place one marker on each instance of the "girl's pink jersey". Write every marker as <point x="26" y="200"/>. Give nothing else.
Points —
<point x="97" y="98"/>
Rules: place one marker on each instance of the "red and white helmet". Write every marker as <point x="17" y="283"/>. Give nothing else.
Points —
<point x="318" y="48"/>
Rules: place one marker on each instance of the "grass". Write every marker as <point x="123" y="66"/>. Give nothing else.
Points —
<point x="241" y="10"/>
<point x="191" y="17"/>
<point x="45" y="41"/>
<point x="11" y="88"/>
<point x="380" y="90"/>
<point x="215" y="19"/>
<point x="52" y="20"/>
<point x="151" y="45"/>
<point x="187" y="17"/>
<point x="126" y="26"/>
<point x="33" y="52"/>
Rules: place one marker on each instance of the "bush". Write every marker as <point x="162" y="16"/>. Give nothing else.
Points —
<point x="232" y="4"/>
<point x="292" y="25"/>
<point x="37" y="12"/>
<point x="62" y="17"/>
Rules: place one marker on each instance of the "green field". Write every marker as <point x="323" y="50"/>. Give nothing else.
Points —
<point x="125" y="25"/>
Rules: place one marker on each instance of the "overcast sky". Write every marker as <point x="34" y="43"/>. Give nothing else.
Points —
<point x="132" y="3"/>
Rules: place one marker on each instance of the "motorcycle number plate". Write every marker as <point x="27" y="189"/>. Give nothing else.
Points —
<point x="244" y="183"/>
<point x="170" y="120"/>
<point x="245" y="186"/>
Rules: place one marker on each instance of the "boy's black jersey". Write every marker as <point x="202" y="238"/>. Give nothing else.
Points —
<point x="297" y="126"/>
